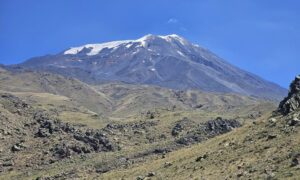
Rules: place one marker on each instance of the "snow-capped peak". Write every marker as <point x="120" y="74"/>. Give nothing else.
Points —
<point x="145" y="38"/>
<point x="172" y="37"/>
<point x="96" y="48"/>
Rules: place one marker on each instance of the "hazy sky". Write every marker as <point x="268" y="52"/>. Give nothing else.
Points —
<point x="260" y="36"/>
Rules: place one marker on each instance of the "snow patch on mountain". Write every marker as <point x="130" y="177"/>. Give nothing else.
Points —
<point x="143" y="42"/>
<point x="95" y="48"/>
<point x="129" y="45"/>
<point x="180" y="53"/>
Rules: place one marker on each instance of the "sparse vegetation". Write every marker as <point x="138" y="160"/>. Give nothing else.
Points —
<point x="162" y="135"/>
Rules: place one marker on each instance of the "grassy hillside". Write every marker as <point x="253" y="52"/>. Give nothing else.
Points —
<point x="134" y="128"/>
<point x="35" y="82"/>
<point x="61" y="146"/>
<point x="148" y="148"/>
<point x="73" y="101"/>
<point x="132" y="99"/>
<point x="265" y="149"/>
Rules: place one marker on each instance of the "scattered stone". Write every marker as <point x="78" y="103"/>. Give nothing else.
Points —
<point x="232" y="143"/>
<point x="239" y="175"/>
<point x="7" y="164"/>
<point x="199" y="106"/>
<point x="295" y="162"/>
<point x="272" y="120"/>
<point x="42" y="133"/>
<point x="167" y="164"/>
<point x="294" y="121"/>
<point x="270" y="137"/>
<point x="151" y="174"/>
<point x="101" y="171"/>
<point x="202" y="157"/>
<point x="16" y="148"/>
<point x="140" y="178"/>
<point x="162" y="151"/>
<point x="150" y="115"/>
<point x="196" y="168"/>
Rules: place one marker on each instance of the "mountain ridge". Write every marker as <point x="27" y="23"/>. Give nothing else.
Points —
<point x="167" y="61"/>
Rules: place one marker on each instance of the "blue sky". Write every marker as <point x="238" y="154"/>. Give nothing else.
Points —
<point x="260" y="36"/>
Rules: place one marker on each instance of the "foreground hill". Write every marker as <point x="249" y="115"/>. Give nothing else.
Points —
<point x="36" y="144"/>
<point x="167" y="61"/>
<point x="268" y="148"/>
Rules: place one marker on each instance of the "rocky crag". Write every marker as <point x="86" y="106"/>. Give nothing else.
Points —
<point x="292" y="101"/>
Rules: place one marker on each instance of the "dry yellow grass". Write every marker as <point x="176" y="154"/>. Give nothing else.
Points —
<point x="232" y="156"/>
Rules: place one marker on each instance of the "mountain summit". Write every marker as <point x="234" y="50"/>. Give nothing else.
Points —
<point x="169" y="61"/>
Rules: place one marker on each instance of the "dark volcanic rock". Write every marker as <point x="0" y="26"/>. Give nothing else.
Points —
<point x="292" y="101"/>
<point x="206" y="130"/>
<point x="220" y="126"/>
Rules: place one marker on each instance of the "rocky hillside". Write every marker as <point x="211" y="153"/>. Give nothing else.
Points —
<point x="167" y="61"/>
<point x="161" y="144"/>
<point x="268" y="148"/>
<point x="50" y="127"/>
<point x="34" y="144"/>
<point x="54" y="127"/>
<point x="31" y="137"/>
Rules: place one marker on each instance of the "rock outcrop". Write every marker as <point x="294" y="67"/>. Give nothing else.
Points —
<point x="24" y="129"/>
<point x="292" y="101"/>
<point x="203" y="131"/>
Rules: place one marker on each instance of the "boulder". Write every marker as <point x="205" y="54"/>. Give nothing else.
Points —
<point x="151" y="174"/>
<point x="16" y="148"/>
<point x="294" y="162"/>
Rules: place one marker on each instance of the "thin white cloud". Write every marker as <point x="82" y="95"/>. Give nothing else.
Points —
<point x="172" y="21"/>
<point x="175" y="23"/>
<point x="183" y="29"/>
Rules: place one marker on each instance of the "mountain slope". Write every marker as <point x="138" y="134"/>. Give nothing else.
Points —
<point x="168" y="61"/>
<point x="265" y="149"/>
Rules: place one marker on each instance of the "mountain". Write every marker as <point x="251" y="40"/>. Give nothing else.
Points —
<point x="167" y="61"/>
